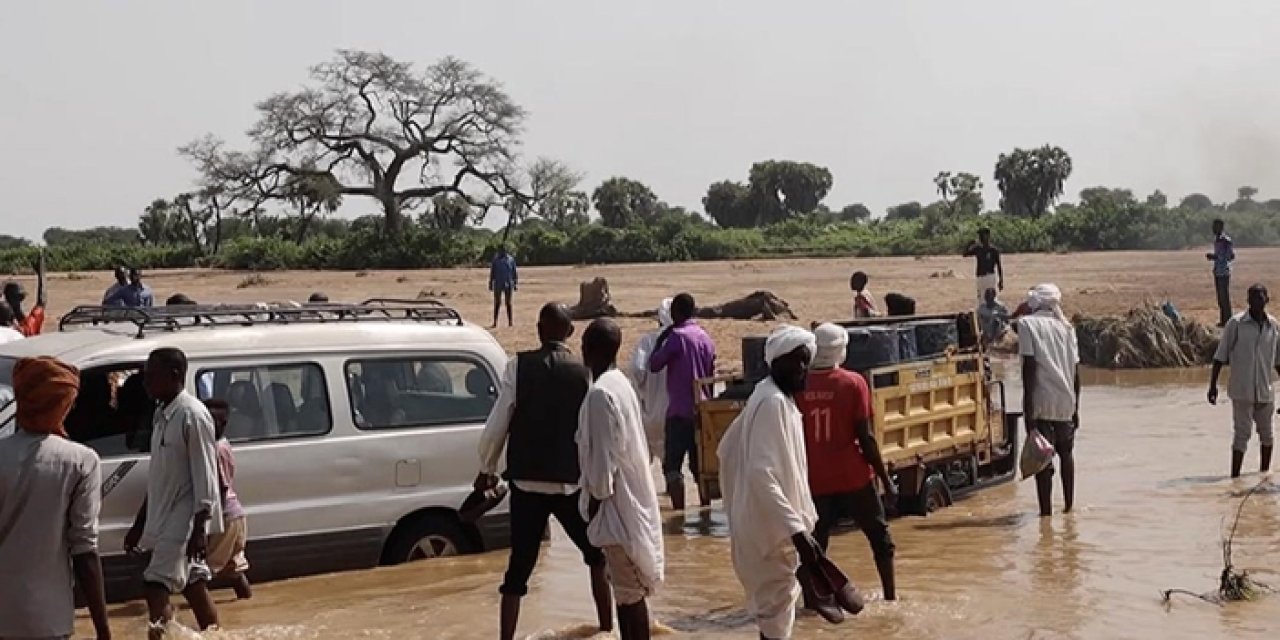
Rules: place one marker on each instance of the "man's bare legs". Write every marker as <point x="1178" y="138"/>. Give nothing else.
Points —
<point x="633" y="621"/>
<point x="159" y="609"/>
<point x="201" y="602"/>
<point x="510" y="609"/>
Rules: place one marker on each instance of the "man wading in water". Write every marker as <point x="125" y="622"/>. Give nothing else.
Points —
<point x="1051" y="387"/>
<point x="766" y="491"/>
<point x="617" y="486"/>
<point x="536" y="420"/>
<point x="1249" y="343"/>
<point x="183" y="503"/>
<point x="842" y="453"/>
<point x="686" y="353"/>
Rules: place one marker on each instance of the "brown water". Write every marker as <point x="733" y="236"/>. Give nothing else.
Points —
<point x="1153" y="496"/>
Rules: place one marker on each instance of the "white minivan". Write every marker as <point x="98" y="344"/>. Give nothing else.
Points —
<point x="355" y="427"/>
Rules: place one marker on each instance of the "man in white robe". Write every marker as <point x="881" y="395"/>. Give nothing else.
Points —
<point x="618" y="497"/>
<point x="764" y="480"/>
<point x="652" y="387"/>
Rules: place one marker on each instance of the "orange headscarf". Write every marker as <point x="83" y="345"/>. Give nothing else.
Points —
<point x="45" y="389"/>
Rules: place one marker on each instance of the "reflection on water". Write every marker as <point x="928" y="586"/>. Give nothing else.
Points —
<point x="1153" y="500"/>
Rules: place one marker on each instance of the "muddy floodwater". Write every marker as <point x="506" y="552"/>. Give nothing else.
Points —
<point x="1152" y="500"/>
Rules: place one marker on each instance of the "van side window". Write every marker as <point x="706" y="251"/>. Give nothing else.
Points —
<point x="419" y="391"/>
<point x="269" y="401"/>
<point x="112" y="412"/>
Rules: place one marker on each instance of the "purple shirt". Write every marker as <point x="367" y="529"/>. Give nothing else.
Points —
<point x="688" y="354"/>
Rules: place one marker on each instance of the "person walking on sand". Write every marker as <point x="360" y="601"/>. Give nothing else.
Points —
<point x="1249" y="345"/>
<point x="864" y="304"/>
<point x="842" y="453"/>
<point x="49" y="502"/>
<point x="764" y="478"/>
<point x="990" y="272"/>
<point x="503" y="282"/>
<point x="1222" y="256"/>
<point x="535" y="418"/>
<point x="28" y="323"/>
<point x="183" y="505"/>
<point x="226" y="557"/>
<point x="652" y="387"/>
<point x="618" y="498"/>
<point x="1051" y="387"/>
<point x="686" y="353"/>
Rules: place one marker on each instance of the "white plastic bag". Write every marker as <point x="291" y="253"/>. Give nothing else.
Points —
<point x="1037" y="455"/>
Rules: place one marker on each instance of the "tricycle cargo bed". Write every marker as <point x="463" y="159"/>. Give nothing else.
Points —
<point x="939" y="421"/>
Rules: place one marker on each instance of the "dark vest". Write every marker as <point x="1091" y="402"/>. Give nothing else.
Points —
<point x="550" y="386"/>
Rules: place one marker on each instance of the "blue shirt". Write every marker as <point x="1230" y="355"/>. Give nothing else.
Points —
<point x="502" y="273"/>
<point x="1224" y="253"/>
<point x="133" y="296"/>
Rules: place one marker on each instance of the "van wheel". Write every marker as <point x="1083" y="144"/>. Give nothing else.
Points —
<point x="934" y="495"/>
<point x="426" y="537"/>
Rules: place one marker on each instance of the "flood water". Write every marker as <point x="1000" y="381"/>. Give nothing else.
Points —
<point x="1152" y="500"/>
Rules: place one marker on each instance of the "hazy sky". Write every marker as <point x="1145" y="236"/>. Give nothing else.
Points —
<point x="1178" y="95"/>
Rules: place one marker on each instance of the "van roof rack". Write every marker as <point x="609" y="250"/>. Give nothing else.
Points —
<point x="172" y="318"/>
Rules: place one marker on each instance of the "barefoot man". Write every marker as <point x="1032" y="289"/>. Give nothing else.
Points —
<point x="1051" y="387"/>
<point x="1249" y="344"/>
<point x="617" y="488"/>
<point x="183" y="504"/>
<point x="536" y="420"/>
<point x="764" y="479"/>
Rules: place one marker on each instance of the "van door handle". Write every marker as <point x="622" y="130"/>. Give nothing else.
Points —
<point x="408" y="473"/>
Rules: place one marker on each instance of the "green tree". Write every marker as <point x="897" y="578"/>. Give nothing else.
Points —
<point x="57" y="236"/>
<point x="961" y="193"/>
<point x="553" y="196"/>
<point x="1158" y="199"/>
<point x="856" y="212"/>
<point x="13" y="242"/>
<point x="729" y="205"/>
<point x="1106" y="197"/>
<point x="311" y="194"/>
<point x="386" y="131"/>
<point x="1244" y="200"/>
<point x="450" y="212"/>
<point x="1031" y="180"/>
<point x="1196" y="202"/>
<point x="905" y="211"/>
<point x="783" y="189"/>
<point x="624" y="203"/>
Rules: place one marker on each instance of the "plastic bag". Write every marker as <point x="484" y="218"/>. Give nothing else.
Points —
<point x="1037" y="455"/>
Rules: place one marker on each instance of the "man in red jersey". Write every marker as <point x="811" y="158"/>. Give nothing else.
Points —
<point x="842" y="452"/>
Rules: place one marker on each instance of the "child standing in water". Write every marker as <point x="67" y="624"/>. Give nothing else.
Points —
<point x="226" y="550"/>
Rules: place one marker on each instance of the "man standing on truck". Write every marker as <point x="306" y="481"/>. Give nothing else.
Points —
<point x="990" y="272"/>
<point x="535" y="418"/>
<point x="1249" y="344"/>
<point x="766" y="490"/>
<point x="28" y="323"/>
<point x="618" y="497"/>
<point x="686" y="353"/>
<point x="503" y="281"/>
<point x="842" y="452"/>
<point x="1223" y="254"/>
<point x="183" y="504"/>
<point x="1051" y="387"/>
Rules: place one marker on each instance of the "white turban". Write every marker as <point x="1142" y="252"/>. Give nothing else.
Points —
<point x="832" y="340"/>
<point x="664" y="313"/>
<point x="785" y="339"/>
<point x="1046" y="297"/>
